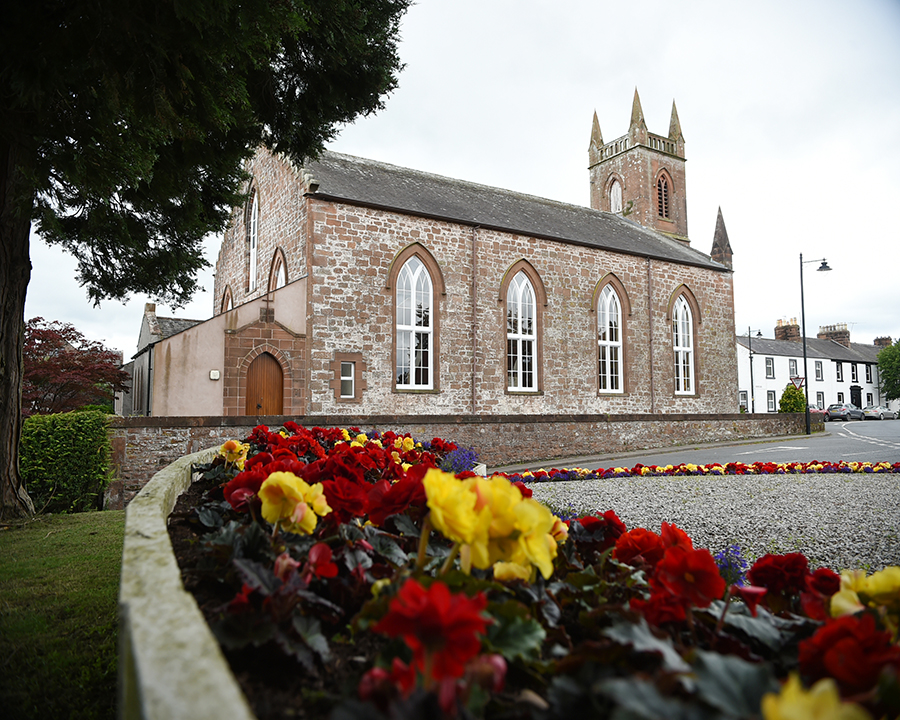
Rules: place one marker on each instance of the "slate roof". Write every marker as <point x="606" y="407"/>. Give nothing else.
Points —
<point x="173" y="326"/>
<point x="375" y="184"/>
<point x="815" y="348"/>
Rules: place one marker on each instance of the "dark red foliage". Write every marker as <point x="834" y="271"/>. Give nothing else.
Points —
<point x="64" y="371"/>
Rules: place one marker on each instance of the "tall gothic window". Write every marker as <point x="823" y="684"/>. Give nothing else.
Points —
<point x="415" y="323"/>
<point x="662" y="196"/>
<point x="521" y="335"/>
<point x="609" y="341"/>
<point x="253" y="241"/>
<point x="683" y="344"/>
<point x="615" y="197"/>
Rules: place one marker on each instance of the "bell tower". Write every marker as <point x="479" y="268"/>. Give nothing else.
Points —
<point x="641" y="175"/>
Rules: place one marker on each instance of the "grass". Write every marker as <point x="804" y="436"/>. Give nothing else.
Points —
<point x="59" y="584"/>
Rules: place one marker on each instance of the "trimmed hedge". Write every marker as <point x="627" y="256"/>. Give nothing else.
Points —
<point x="65" y="461"/>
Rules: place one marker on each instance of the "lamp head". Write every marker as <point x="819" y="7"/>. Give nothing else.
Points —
<point x="824" y="266"/>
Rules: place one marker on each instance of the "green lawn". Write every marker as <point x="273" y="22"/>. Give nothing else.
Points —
<point x="59" y="584"/>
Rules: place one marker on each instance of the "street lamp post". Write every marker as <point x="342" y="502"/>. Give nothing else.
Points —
<point x="750" y="349"/>
<point x="822" y="268"/>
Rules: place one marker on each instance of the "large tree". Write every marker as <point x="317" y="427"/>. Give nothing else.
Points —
<point x="64" y="371"/>
<point x="889" y="371"/>
<point x="124" y="125"/>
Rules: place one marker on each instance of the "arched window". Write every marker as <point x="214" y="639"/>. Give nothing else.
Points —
<point x="521" y="335"/>
<point x="609" y="341"/>
<point x="683" y="344"/>
<point x="615" y="197"/>
<point x="227" y="300"/>
<point x="415" y="325"/>
<point x="278" y="272"/>
<point x="253" y="241"/>
<point x="662" y="196"/>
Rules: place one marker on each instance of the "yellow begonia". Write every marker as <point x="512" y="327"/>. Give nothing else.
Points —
<point x="292" y="503"/>
<point x="883" y="587"/>
<point x="821" y="702"/>
<point x="534" y="523"/>
<point x="362" y="438"/>
<point x="345" y="434"/>
<point x="234" y="452"/>
<point x="508" y="571"/>
<point x="452" y="506"/>
<point x="408" y="444"/>
<point x="846" y="600"/>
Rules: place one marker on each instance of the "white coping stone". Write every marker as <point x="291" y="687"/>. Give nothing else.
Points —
<point x="170" y="665"/>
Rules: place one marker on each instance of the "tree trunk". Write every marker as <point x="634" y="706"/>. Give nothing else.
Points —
<point x="16" y="198"/>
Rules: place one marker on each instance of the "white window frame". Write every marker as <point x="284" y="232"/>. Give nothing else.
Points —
<point x="610" y="351"/>
<point x="414" y="361"/>
<point x="792" y="368"/>
<point x="683" y="345"/>
<point x="253" y="239"/>
<point x="868" y="374"/>
<point x="840" y="397"/>
<point x="521" y="335"/>
<point x="839" y="372"/>
<point x="870" y="399"/>
<point x="743" y="400"/>
<point x="820" y="375"/>
<point x="615" y="197"/>
<point x="348" y="375"/>
<point x="770" y="367"/>
<point x="820" y="400"/>
<point x="770" y="401"/>
<point x="854" y="373"/>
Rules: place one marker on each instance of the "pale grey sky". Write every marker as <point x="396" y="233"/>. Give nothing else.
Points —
<point x="790" y="112"/>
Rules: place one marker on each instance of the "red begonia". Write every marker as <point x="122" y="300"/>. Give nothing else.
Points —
<point x="639" y="545"/>
<point x="691" y="575"/>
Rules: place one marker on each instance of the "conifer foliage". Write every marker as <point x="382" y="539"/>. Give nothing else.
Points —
<point x="124" y="127"/>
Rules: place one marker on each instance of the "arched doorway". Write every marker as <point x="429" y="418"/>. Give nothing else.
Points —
<point x="265" y="387"/>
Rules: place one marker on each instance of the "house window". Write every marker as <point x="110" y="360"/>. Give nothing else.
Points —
<point x="792" y="368"/>
<point x="683" y="344"/>
<point x="414" y="357"/>
<point x="820" y="400"/>
<point x="742" y="400"/>
<point x="869" y="374"/>
<point x="770" y="400"/>
<point x="840" y="371"/>
<point x="854" y="374"/>
<point x="840" y="397"/>
<point x="662" y="196"/>
<point x="609" y="341"/>
<point x="770" y="367"/>
<point x="253" y="241"/>
<point x="615" y="197"/>
<point x="819" y="374"/>
<point x="869" y="399"/>
<point x="348" y="373"/>
<point x="521" y="335"/>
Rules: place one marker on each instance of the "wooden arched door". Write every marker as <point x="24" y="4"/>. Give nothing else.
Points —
<point x="265" y="387"/>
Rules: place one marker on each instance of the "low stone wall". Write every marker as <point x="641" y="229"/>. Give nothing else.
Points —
<point x="142" y="446"/>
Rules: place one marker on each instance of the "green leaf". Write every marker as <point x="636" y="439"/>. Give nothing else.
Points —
<point x="389" y="549"/>
<point x="311" y="632"/>
<point x="405" y="525"/>
<point x="640" y="699"/>
<point x="732" y="684"/>
<point x="517" y="637"/>
<point x="257" y="576"/>
<point x="209" y="517"/>
<point x="639" y="636"/>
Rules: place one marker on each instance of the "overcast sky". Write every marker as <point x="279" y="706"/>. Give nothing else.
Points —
<point x="790" y="112"/>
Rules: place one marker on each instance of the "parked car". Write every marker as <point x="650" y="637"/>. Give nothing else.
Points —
<point x="844" y="411"/>
<point x="879" y="412"/>
<point x="816" y="413"/>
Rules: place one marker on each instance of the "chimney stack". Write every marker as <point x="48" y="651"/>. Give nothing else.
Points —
<point x="839" y="332"/>
<point x="787" y="330"/>
<point x="883" y="341"/>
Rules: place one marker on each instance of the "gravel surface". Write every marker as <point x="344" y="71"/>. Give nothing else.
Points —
<point x="841" y="521"/>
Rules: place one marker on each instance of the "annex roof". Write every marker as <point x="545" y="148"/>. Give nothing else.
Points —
<point x="375" y="184"/>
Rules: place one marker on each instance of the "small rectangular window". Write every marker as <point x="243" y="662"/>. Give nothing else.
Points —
<point x="792" y="368"/>
<point x="348" y="375"/>
<point x="840" y="397"/>
<point x="770" y="367"/>
<point x="820" y="400"/>
<point x="742" y="400"/>
<point x="869" y="399"/>
<point x="819" y="374"/>
<point x="770" y="400"/>
<point x="840" y="371"/>
<point x="869" y="374"/>
<point x="854" y="374"/>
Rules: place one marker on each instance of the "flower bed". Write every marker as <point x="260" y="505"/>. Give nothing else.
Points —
<point x="348" y="575"/>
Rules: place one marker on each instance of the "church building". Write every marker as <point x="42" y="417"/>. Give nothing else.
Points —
<point x="357" y="288"/>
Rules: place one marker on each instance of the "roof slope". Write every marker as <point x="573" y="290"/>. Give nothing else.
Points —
<point x="815" y="348"/>
<point x="375" y="184"/>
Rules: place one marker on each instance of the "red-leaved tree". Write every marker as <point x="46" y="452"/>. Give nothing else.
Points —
<point x="64" y="371"/>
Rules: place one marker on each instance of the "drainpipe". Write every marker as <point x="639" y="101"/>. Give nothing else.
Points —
<point x="650" y="333"/>
<point x="149" y="376"/>
<point x="474" y="317"/>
